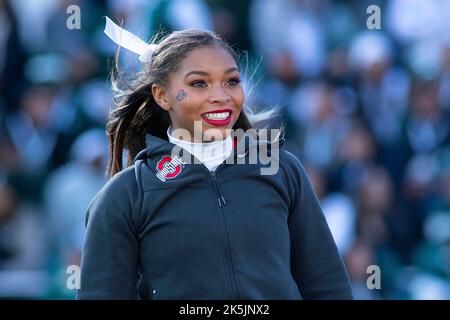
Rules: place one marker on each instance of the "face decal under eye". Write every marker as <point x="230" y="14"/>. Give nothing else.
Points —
<point x="181" y="95"/>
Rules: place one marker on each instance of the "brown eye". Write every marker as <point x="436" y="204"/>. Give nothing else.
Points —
<point x="234" y="82"/>
<point x="198" y="84"/>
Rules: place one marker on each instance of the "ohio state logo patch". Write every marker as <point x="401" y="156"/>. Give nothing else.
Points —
<point x="169" y="167"/>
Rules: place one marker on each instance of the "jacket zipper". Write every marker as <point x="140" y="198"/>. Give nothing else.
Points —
<point x="222" y="202"/>
<point x="220" y="199"/>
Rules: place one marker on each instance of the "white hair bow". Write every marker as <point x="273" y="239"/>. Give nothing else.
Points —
<point x="129" y="41"/>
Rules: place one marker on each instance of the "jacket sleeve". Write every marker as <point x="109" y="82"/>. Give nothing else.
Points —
<point x="316" y="264"/>
<point x="110" y="257"/>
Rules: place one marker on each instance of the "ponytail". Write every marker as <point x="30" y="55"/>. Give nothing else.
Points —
<point x="128" y="125"/>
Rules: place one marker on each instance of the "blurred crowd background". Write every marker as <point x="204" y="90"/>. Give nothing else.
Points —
<point x="367" y="112"/>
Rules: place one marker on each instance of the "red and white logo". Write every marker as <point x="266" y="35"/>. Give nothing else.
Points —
<point x="169" y="167"/>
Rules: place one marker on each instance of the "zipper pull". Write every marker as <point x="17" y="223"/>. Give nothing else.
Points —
<point x="223" y="200"/>
<point x="220" y="198"/>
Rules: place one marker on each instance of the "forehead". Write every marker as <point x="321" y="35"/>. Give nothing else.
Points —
<point x="208" y="59"/>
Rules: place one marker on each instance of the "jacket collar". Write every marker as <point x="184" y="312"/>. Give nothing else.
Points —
<point x="247" y="141"/>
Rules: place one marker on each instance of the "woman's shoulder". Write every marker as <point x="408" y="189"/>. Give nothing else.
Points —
<point x="119" y="198"/>
<point x="122" y="188"/>
<point x="293" y="169"/>
<point x="290" y="162"/>
<point x="122" y="181"/>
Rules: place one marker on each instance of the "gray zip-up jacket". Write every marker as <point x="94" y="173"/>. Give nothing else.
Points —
<point x="161" y="229"/>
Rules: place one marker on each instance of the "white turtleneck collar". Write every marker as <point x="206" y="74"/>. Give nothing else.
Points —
<point x="211" y="154"/>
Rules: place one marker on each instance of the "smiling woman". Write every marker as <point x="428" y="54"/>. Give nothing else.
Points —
<point x="191" y="76"/>
<point x="210" y="79"/>
<point x="162" y="228"/>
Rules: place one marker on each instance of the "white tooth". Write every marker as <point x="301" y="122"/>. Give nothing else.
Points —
<point x="217" y="116"/>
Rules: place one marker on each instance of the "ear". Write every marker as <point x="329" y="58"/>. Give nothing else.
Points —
<point x="160" y="96"/>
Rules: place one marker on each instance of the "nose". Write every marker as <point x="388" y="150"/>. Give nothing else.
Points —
<point x="219" y="96"/>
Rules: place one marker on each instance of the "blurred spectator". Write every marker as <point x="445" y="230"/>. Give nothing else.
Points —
<point x="383" y="93"/>
<point x="12" y="58"/>
<point x="427" y="125"/>
<point x="320" y="114"/>
<point x="67" y="193"/>
<point x="423" y="36"/>
<point x="380" y="220"/>
<point x="33" y="139"/>
<point x="355" y="154"/>
<point x="286" y="30"/>
<point x="180" y="14"/>
<point x="230" y="20"/>
<point x="23" y="248"/>
<point x="357" y="260"/>
<point x="339" y="211"/>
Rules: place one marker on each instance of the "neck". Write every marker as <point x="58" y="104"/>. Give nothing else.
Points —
<point x="182" y="139"/>
<point x="211" y="154"/>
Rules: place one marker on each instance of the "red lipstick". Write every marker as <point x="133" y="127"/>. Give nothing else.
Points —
<point x="213" y="117"/>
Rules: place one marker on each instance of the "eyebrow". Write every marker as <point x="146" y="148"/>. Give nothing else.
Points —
<point x="203" y="73"/>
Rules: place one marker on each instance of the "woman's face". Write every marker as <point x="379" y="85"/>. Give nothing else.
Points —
<point x="204" y="94"/>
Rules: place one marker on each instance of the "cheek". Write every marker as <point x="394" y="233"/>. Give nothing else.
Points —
<point x="188" y="107"/>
